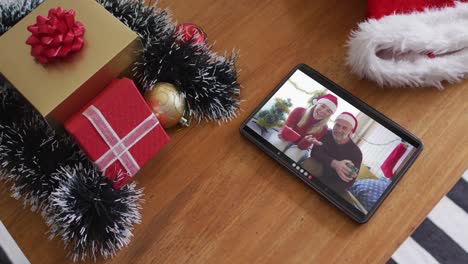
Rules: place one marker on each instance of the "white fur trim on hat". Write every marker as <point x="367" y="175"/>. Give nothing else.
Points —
<point x="442" y="32"/>
<point x="347" y="117"/>
<point x="328" y="103"/>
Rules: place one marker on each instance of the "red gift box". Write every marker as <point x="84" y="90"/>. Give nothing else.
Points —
<point x="118" y="131"/>
<point x="288" y="134"/>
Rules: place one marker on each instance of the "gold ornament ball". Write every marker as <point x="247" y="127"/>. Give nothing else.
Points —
<point x="166" y="103"/>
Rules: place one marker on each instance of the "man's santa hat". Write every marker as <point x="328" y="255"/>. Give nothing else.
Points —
<point x="411" y="42"/>
<point x="329" y="100"/>
<point x="347" y="116"/>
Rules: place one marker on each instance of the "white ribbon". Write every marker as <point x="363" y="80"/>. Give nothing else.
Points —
<point x="118" y="148"/>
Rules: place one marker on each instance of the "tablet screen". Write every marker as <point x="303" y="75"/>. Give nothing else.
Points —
<point x="330" y="139"/>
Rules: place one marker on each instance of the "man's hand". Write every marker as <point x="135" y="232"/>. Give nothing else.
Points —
<point x="342" y="170"/>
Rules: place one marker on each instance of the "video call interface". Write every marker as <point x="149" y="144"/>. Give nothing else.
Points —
<point x="329" y="140"/>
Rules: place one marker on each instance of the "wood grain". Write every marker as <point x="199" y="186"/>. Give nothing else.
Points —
<point x="213" y="197"/>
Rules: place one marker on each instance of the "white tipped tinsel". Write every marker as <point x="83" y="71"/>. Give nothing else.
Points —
<point x="90" y="215"/>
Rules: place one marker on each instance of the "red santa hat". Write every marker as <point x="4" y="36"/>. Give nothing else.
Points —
<point x="411" y="42"/>
<point x="347" y="116"/>
<point x="329" y="100"/>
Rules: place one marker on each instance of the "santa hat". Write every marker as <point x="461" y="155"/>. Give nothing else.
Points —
<point x="329" y="100"/>
<point x="411" y="42"/>
<point x="347" y="116"/>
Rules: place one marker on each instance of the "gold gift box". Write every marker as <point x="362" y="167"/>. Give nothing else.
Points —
<point x="61" y="88"/>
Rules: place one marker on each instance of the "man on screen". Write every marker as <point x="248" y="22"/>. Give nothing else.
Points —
<point x="339" y="156"/>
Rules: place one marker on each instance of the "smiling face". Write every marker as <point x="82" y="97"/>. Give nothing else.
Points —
<point x="341" y="131"/>
<point x="322" y="111"/>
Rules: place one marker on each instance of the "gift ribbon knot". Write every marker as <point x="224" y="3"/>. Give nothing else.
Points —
<point x="118" y="147"/>
<point x="55" y="36"/>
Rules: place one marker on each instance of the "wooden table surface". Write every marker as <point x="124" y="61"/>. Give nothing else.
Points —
<point x="213" y="197"/>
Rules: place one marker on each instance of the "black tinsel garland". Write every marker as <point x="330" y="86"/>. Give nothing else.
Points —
<point x="51" y="174"/>
<point x="148" y="22"/>
<point x="89" y="213"/>
<point x="207" y="81"/>
<point x="12" y="105"/>
<point x="13" y="11"/>
<point x="30" y="152"/>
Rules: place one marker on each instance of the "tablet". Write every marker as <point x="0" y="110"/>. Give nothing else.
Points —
<point x="335" y="143"/>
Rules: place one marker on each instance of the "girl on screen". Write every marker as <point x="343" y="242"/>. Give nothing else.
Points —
<point x="305" y="126"/>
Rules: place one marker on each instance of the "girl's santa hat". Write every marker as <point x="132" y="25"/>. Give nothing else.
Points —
<point x="347" y="116"/>
<point x="411" y="42"/>
<point x="329" y="100"/>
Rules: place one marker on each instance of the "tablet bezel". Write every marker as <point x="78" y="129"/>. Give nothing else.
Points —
<point x="315" y="184"/>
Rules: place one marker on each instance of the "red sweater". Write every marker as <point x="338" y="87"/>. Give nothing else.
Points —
<point x="292" y="121"/>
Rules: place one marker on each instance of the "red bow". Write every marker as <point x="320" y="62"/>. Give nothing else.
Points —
<point x="56" y="35"/>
